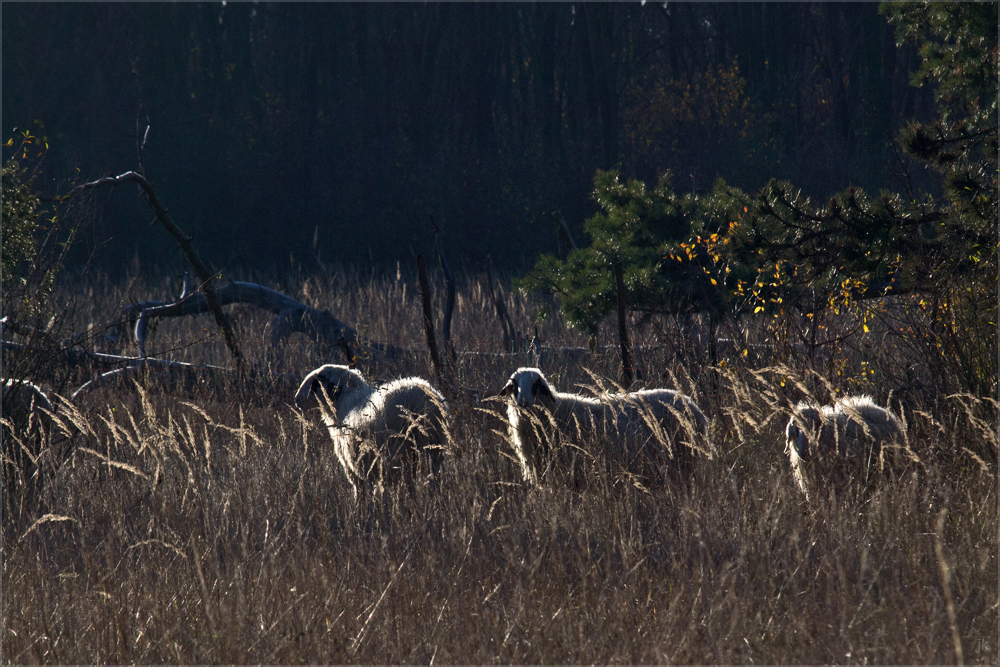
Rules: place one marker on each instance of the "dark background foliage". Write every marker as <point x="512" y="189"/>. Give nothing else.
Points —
<point x="316" y="132"/>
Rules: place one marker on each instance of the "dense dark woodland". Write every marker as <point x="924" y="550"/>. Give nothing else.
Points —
<point x="331" y="131"/>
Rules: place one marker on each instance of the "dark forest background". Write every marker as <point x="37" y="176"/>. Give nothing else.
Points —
<point x="308" y="133"/>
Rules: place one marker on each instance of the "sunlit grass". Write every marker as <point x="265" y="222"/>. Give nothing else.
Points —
<point x="198" y="530"/>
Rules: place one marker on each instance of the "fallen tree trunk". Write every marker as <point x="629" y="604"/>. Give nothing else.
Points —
<point x="292" y="316"/>
<point x="122" y="331"/>
<point x="70" y="357"/>
<point x="58" y="366"/>
<point x="161" y="375"/>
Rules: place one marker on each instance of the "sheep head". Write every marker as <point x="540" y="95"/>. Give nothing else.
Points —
<point x="331" y="379"/>
<point x="526" y="385"/>
<point x="804" y="427"/>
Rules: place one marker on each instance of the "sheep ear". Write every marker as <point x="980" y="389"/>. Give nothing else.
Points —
<point x="318" y="387"/>
<point x="508" y="389"/>
<point x="303" y="394"/>
<point x="542" y="389"/>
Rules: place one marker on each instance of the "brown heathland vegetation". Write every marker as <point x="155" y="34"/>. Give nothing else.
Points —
<point x="221" y="529"/>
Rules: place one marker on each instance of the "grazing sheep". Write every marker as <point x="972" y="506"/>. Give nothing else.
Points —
<point x="649" y="431"/>
<point x="379" y="434"/>
<point x="821" y="439"/>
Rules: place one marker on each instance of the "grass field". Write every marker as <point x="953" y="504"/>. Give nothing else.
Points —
<point x="203" y="529"/>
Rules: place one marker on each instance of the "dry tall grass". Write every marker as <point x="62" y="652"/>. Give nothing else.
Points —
<point x="206" y="530"/>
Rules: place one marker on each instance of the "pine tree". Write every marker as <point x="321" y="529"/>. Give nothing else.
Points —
<point x="732" y="253"/>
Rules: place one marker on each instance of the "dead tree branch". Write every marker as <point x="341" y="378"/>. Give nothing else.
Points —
<point x="160" y="375"/>
<point x="565" y="228"/>
<point x="200" y="270"/>
<point x="509" y="334"/>
<point x="67" y="357"/>
<point x="623" y="327"/>
<point x="425" y="292"/>
<point x="449" y="286"/>
<point x="192" y="381"/>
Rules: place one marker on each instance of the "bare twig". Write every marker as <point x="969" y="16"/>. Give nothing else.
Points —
<point x="140" y="148"/>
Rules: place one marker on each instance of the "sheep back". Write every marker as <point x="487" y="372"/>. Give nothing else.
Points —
<point x="538" y="429"/>
<point x="400" y="423"/>
<point x="380" y="435"/>
<point x="650" y="432"/>
<point x="831" y="440"/>
<point x="664" y="420"/>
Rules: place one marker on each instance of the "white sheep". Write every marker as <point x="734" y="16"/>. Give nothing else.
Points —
<point x="380" y="434"/>
<point x="821" y="440"/>
<point x="652" y="429"/>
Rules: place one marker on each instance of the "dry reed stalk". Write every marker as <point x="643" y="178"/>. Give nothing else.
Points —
<point x="956" y="637"/>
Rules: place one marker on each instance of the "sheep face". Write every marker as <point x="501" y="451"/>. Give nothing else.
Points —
<point x="801" y="430"/>
<point x="526" y="386"/>
<point x="332" y="379"/>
